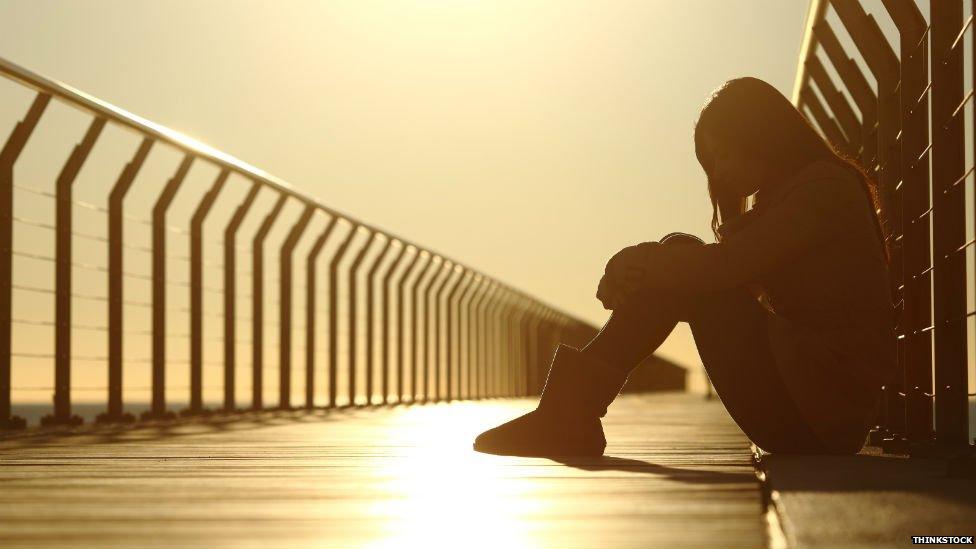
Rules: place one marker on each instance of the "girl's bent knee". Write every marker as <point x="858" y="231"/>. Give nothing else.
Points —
<point x="681" y="238"/>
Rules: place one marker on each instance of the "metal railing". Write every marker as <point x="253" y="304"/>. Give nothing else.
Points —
<point x="908" y="127"/>
<point x="435" y="328"/>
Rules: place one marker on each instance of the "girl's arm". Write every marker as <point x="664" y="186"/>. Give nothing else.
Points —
<point x="814" y="211"/>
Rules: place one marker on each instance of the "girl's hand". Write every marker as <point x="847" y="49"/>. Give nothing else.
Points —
<point x="624" y="274"/>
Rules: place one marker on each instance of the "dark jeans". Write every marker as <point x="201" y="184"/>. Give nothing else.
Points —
<point x="729" y="330"/>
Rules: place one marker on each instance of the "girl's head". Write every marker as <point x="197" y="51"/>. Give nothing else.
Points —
<point x="750" y="136"/>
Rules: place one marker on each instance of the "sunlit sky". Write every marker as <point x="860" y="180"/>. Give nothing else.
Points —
<point x="531" y="139"/>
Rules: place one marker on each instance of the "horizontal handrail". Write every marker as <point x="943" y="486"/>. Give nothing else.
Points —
<point x="495" y="337"/>
<point x="98" y="107"/>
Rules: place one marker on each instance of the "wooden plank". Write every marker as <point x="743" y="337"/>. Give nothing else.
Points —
<point x="677" y="472"/>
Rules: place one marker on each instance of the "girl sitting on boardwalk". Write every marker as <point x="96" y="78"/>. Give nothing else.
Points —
<point x="790" y="309"/>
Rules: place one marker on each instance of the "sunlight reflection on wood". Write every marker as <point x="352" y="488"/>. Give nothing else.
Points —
<point x="677" y="471"/>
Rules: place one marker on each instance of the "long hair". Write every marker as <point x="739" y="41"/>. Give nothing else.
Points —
<point x="765" y="125"/>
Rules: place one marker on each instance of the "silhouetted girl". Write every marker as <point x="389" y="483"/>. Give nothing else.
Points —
<point x="790" y="309"/>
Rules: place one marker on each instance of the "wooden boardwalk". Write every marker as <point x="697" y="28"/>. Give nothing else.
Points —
<point x="677" y="474"/>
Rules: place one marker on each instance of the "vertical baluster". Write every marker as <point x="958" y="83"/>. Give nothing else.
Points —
<point x="546" y="345"/>
<point x="471" y="349"/>
<point x="353" y="318"/>
<point x="114" y="412"/>
<point x="498" y="345"/>
<point x="916" y="343"/>
<point x="310" y="311"/>
<point x="414" y="325"/>
<point x="334" y="314"/>
<point x="447" y="270"/>
<point x="401" y="371"/>
<point x="518" y="366"/>
<point x="521" y="342"/>
<point x="424" y="347"/>
<point x="62" y="277"/>
<point x="531" y="350"/>
<point x="401" y="359"/>
<point x="490" y="347"/>
<point x="453" y="274"/>
<point x="511" y="333"/>
<point x="257" y="304"/>
<point x="196" y="292"/>
<point x="462" y="306"/>
<point x="858" y="87"/>
<point x="948" y="223"/>
<point x="486" y="341"/>
<point x="829" y="126"/>
<point x="506" y="362"/>
<point x="158" y="407"/>
<point x="285" y="261"/>
<point x="386" y="326"/>
<point x="230" y="296"/>
<point x="370" y="319"/>
<point x="837" y="102"/>
<point x="8" y="157"/>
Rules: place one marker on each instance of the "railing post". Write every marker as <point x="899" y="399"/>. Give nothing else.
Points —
<point x="401" y="371"/>
<point x="448" y="270"/>
<point x="257" y="304"/>
<point x="511" y="337"/>
<point x="514" y="322"/>
<point x="492" y="343"/>
<point x="948" y="223"/>
<point x="426" y="340"/>
<point x="310" y="311"/>
<point x="838" y="104"/>
<point x="284" y="305"/>
<point x="474" y="332"/>
<point x="824" y="120"/>
<point x="114" y="412"/>
<point x="488" y="342"/>
<point x="518" y="362"/>
<point x="334" y="314"/>
<point x="857" y="85"/>
<point x="386" y="325"/>
<point x="8" y="157"/>
<point x="533" y="338"/>
<point x="459" y="335"/>
<point x="511" y="332"/>
<point x="196" y="292"/>
<point x="885" y="66"/>
<point x="230" y="296"/>
<point x="500" y="350"/>
<point x="525" y="345"/>
<point x="452" y="274"/>
<point x="915" y="343"/>
<point x="158" y="408"/>
<point x="62" y="277"/>
<point x="548" y="339"/>
<point x="370" y="319"/>
<point x="353" y="318"/>
<point x="415" y="325"/>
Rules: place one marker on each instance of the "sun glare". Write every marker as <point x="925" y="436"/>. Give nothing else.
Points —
<point x="441" y="492"/>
